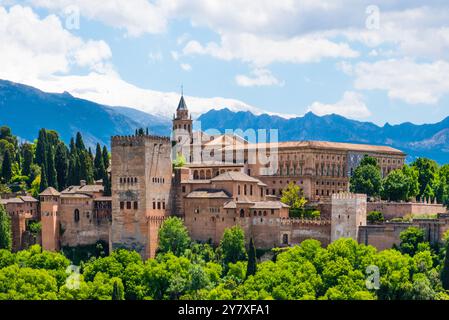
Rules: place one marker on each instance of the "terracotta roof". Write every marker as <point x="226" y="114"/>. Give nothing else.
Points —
<point x="28" y="199"/>
<point x="269" y="205"/>
<point x="256" y="204"/>
<point x="50" y="191"/>
<point x="324" y="145"/>
<point x="75" y="195"/>
<point x="90" y="188"/>
<point x="235" y="176"/>
<point x="210" y="194"/>
<point x="103" y="199"/>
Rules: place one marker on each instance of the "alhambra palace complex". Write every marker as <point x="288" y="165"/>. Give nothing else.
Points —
<point x="241" y="188"/>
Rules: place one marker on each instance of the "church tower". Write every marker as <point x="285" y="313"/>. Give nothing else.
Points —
<point x="182" y="130"/>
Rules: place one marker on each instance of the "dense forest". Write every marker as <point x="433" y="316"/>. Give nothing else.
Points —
<point x="48" y="162"/>
<point x="184" y="269"/>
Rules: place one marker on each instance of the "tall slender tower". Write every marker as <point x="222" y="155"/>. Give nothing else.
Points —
<point x="49" y="207"/>
<point x="182" y="130"/>
<point x="141" y="190"/>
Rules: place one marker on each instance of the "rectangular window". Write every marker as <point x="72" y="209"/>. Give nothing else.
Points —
<point x="122" y="205"/>
<point x="136" y="206"/>
<point x="128" y="205"/>
<point x="154" y="205"/>
<point x="159" y="206"/>
<point x="163" y="205"/>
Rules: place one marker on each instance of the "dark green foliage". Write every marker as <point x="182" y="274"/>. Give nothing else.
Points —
<point x="366" y="179"/>
<point x="232" y="245"/>
<point x="252" y="259"/>
<point x="445" y="269"/>
<point x="51" y="169"/>
<point x="105" y="155"/>
<point x="6" y="172"/>
<point x="27" y="155"/>
<point x="117" y="291"/>
<point x="44" y="182"/>
<point x="79" y="142"/>
<point x="5" y="229"/>
<point x="412" y="240"/>
<point x="375" y="217"/>
<point x="173" y="237"/>
<point x="62" y="165"/>
<point x="99" y="168"/>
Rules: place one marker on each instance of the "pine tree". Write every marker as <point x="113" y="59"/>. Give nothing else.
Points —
<point x="5" y="229"/>
<point x="252" y="260"/>
<point x="79" y="142"/>
<point x="62" y="165"/>
<point x="118" y="290"/>
<point x="105" y="158"/>
<point x="44" y="181"/>
<point x="445" y="270"/>
<point x="51" y="169"/>
<point x="6" y="167"/>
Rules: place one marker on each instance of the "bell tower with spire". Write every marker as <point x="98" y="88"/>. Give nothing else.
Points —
<point x="182" y="127"/>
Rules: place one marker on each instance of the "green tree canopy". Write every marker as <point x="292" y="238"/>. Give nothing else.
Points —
<point x="232" y="245"/>
<point x="173" y="236"/>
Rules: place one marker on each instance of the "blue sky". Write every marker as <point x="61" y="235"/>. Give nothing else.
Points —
<point x="379" y="61"/>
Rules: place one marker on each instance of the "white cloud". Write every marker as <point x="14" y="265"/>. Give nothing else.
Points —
<point x="135" y="16"/>
<point x="405" y="79"/>
<point x="263" y="51"/>
<point x="259" y="77"/>
<point x="186" y="67"/>
<point x="111" y="90"/>
<point x="351" y="105"/>
<point x="31" y="47"/>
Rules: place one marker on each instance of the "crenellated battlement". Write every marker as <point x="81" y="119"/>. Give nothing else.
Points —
<point x="120" y="140"/>
<point x="348" y="196"/>
<point x="305" y="222"/>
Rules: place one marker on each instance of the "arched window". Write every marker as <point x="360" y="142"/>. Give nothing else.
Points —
<point x="76" y="215"/>
<point x="242" y="213"/>
<point x="285" y="238"/>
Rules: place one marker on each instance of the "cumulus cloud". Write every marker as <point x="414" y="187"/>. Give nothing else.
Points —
<point x="351" y="105"/>
<point x="263" y="51"/>
<point x="136" y="17"/>
<point x="405" y="79"/>
<point x="31" y="47"/>
<point x="259" y="77"/>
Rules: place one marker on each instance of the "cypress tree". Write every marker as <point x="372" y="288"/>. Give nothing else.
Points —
<point x="71" y="175"/>
<point x="62" y="165"/>
<point x="79" y="142"/>
<point x="27" y="155"/>
<point x="106" y="184"/>
<point x="7" y="167"/>
<point x="252" y="259"/>
<point x="98" y="164"/>
<point x="5" y="229"/>
<point x="105" y="158"/>
<point x="73" y="150"/>
<point x="44" y="182"/>
<point x="445" y="270"/>
<point x="41" y="149"/>
<point x="118" y="290"/>
<point x="51" y="169"/>
<point x="86" y="167"/>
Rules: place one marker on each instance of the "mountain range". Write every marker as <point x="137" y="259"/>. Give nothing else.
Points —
<point x="427" y="140"/>
<point x="26" y="110"/>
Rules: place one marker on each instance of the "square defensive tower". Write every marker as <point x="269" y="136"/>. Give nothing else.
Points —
<point x="141" y="190"/>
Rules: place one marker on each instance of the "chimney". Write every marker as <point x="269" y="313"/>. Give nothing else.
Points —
<point x="82" y="183"/>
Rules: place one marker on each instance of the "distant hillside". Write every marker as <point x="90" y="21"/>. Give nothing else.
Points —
<point x="26" y="110"/>
<point x="428" y="140"/>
